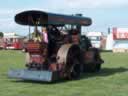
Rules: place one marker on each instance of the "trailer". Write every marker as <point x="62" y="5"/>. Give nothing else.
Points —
<point x="120" y="39"/>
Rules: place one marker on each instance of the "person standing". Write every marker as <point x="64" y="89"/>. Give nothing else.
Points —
<point x="44" y="39"/>
<point x="44" y="35"/>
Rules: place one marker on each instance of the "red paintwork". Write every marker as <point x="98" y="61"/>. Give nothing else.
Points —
<point x="120" y="35"/>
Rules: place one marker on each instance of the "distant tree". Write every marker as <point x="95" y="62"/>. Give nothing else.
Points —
<point x="1" y="34"/>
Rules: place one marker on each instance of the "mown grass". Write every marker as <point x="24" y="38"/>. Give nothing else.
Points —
<point x="112" y="80"/>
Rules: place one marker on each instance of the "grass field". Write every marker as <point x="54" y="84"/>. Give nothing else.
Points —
<point x="112" y="80"/>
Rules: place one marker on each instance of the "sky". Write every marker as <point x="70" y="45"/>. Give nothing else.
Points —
<point x="104" y="13"/>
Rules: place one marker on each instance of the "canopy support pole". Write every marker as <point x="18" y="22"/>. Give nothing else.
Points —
<point x="29" y="32"/>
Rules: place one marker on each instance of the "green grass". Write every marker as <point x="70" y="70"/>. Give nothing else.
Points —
<point x="111" y="81"/>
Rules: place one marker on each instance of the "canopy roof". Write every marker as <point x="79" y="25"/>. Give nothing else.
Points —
<point x="41" y="18"/>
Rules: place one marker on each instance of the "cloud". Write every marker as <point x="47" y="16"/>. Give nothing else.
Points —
<point x="58" y="6"/>
<point x="97" y="3"/>
<point x="86" y="3"/>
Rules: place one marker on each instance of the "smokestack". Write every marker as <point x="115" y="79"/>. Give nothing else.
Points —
<point x="109" y="30"/>
<point x="78" y="26"/>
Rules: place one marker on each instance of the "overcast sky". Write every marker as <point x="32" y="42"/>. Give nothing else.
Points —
<point x="104" y="13"/>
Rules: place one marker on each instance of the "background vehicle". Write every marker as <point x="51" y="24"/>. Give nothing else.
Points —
<point x="11" y="41"/>
<point x="96" y="38"/>
<point x="66" y="55"/>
